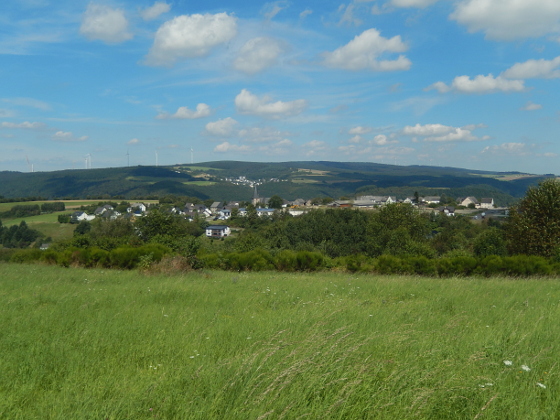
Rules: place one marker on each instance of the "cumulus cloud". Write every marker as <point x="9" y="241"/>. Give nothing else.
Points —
<point x="155" y="11"/>
<point x="133" y="142"/>
<point x="222" y="128"/>
<point x="315" y="147"/>
<point x="383" y="140"/>
<point x="184" y="113"/>
<point x="104" y="23"/>
<point x="247" y="103"/>
<point x="480" y="84"/>
<point x="67" y="136"/>
<point x="534" y="69"/>
<point x="24" y="125"/>
<point x="190" y="36"/>
<point x="413" y="3"/>
<point x="257" y="55"/>
<point x="305" y="13"/>
<point x="363" y="52"/>
<point x="507" y="148"/>
<point x="359" y="130"/>
<point x="228" y="147"/>
<point x="531" y="106"/>
<point x="444" y="133"/>
<point x="509" y="20"/>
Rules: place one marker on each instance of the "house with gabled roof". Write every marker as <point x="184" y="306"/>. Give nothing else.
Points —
<point x="486" y="203"/>
<point x="218" y="231"/>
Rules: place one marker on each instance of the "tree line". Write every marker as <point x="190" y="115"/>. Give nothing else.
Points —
<point x="397" y="238"/>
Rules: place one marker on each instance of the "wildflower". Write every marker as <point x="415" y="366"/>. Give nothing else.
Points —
<point x="543" y="386"/>
<point x="508" y="362"/>
<point x="526" y="368"/>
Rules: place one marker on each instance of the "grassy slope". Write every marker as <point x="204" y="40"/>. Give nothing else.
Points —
<point x="115" y="345"/>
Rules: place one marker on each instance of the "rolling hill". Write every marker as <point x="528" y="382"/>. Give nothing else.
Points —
<point x="290" y="180"/>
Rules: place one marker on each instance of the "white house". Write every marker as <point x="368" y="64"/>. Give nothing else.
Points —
<point x="217" y="231"/>
<point x="486" y="203"/>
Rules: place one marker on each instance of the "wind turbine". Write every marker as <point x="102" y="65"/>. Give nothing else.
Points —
<point x="127" y="158"/>
<point x="192" y="156"/>
<point x="88" y="161"/>
<point x="156" y="158"/>
<point x="30" y="165"/>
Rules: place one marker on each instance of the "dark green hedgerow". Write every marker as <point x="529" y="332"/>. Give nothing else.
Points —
<point x="128" y="257"/>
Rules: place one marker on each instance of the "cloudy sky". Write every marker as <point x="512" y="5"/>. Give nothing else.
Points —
<point x="465" y="83"/>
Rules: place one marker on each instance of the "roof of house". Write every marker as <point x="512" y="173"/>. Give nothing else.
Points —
<point x="218" y="227"/>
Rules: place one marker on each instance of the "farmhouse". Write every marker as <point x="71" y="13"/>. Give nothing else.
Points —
<point x="486" y="203"/>
<point x="217" y="231"/>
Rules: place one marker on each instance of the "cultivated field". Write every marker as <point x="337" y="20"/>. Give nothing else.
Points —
<point x="100" y="344"/>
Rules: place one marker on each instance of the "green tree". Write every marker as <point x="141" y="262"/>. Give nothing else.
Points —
<point x="275" y="202"/>
<point x="396" y="221"/>
<point x="533" y="225"/>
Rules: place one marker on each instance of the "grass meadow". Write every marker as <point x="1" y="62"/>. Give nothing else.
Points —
<point x="101" y="344"/>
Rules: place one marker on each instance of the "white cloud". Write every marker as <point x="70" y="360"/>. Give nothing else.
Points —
<point x="444" y="133"/>
<point x="228" y="147"/>
<point x="24" y="125"/>
<point x="507" y="148"/>
<point x="67" y="137"/>
<point x="413" y="3"/>
<point x="247" y="103"/>
<point x="257" y="54"/>
<point x="419" y="104"/>
<point x="509" y="19"/>
<point x="103" y="23"/>
<point x="184" y="113"/>
<point x="270" y="10"/>
<point x="222" y="128"/>
<point x="133" y="141"/>
<point x="359" y="130"/>
<point x="362" y="53"/>
<point x="531" y="106"/>
<point x="263" y="135"/>
<point x="480" y="84"/>
<point x="155" y="11"/>
<point x="280" y="148"/>
<point x="316" y="144"/>
<point x="348" y="15"/>
<point x="190" y="36"/>
<point x="29" y="102"/>
<point x="382" y="140"/>
<point x="534" y="69"/>
<point x="305" y="13"/>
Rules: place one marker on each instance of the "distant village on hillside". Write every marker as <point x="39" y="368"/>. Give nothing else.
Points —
<point x="267" y="206"/>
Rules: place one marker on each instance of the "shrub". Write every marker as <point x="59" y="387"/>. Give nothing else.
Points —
<point x="527" y="265"/>
<point x="26" y="255"/>
<point x="423" y="266"/>
<point x="491" y="266"/>
<point x="309" y="261"/>
<point x="286" y="261"/>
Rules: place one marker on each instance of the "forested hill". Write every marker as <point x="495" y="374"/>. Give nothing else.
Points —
<point x="290" y="180"/>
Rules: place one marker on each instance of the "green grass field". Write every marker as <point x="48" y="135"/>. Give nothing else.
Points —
<point x="100" y="344"/>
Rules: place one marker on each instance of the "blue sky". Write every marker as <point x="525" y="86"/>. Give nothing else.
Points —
<point x="465" y="83"/>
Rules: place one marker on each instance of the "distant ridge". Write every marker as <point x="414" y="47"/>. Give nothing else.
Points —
<point x="290" y="180"/>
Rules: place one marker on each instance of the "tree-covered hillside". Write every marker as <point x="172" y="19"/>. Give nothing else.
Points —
<point x="290" y="180"/>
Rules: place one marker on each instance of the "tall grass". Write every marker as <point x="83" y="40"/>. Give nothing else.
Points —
<point x="100" y="344"/>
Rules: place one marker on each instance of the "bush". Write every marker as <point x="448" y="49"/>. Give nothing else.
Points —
<point x="26" y="255"/>
<point x="527" y="265"/>
<point x="309" y="261"/>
